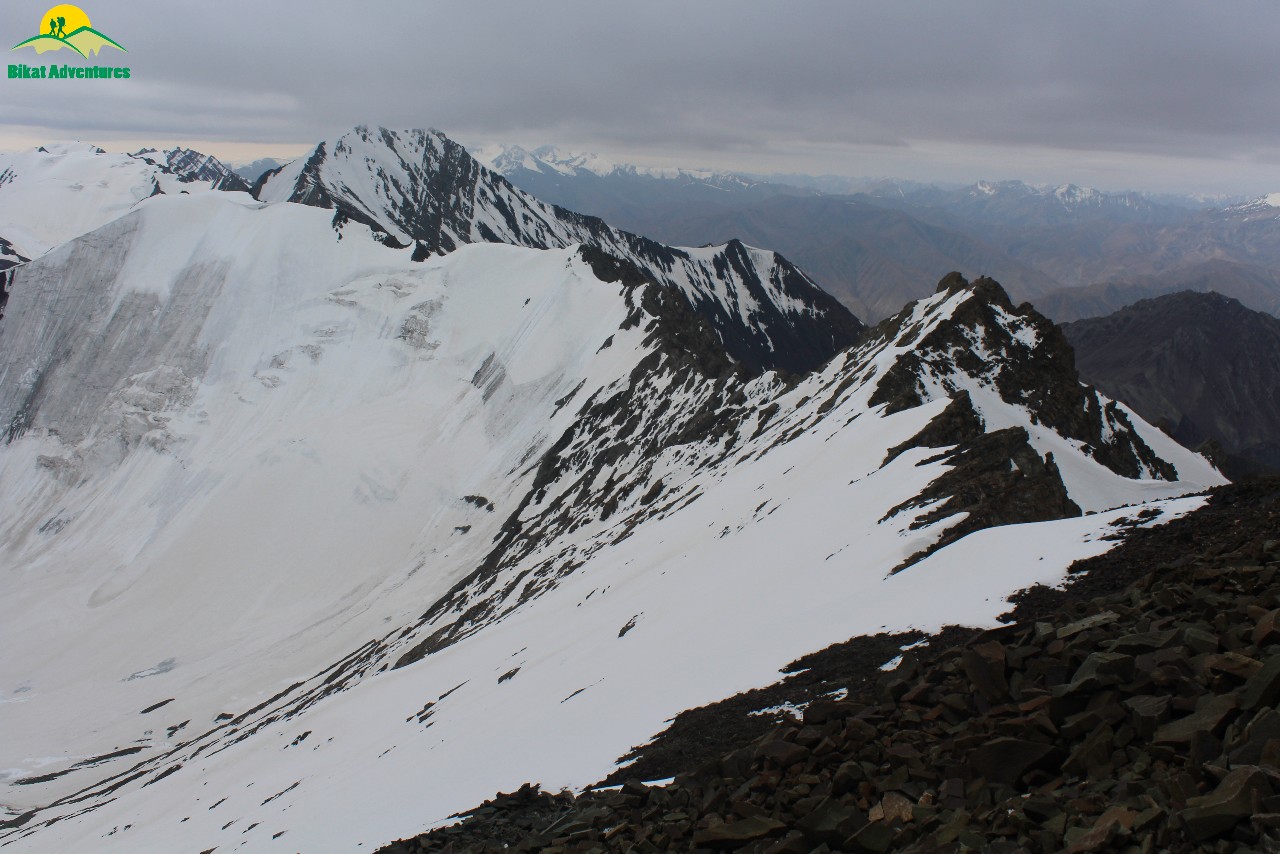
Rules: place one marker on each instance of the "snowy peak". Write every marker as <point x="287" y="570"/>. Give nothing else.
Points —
<point x="508" y="159"/>
<point x="1071" y="197"/>
<point x="254" y="170"/>
<point x="419" y="188"/>
<point x="53" y="193"/>
<point x="191" y="166"/>
<point x="969" y="338"/>
<point x="1261" y="208"/>
<point x="512" y="160"/>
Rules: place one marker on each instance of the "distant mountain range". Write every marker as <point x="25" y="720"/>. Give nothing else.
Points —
<point x="1073" y="250"/>
<point x="1256" y="287"/>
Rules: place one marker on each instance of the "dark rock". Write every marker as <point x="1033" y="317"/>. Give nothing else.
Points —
<point x="875" y="838"/>
<point x="1102" y="669"/>
<point x="745" y="830"/>
<point x="1219" y="811"/>
<point x="1005" y="760"/>
<point x="1146" y="712"/>
<point x="783" y="753"/>
<point x="1249" y="747"/>
<point x="1141" y="642"/>
<point x="1208" y="718"/>
<point x="984" y="665"/>
<point x="1268" y="629"/>
<point x="831" y="822"/>
<point x="1263" y="688"/>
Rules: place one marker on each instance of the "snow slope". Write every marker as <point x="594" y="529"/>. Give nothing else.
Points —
<point x="280" y="432"/>
<point x="51" y="194"/>
<point x="314" y="544"/>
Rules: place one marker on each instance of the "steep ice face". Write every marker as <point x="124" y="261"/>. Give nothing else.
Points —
<point x="421" y="188"/>
<point x="245" y="447"/>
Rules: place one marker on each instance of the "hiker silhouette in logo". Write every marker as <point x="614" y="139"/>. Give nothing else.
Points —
<point x="53" y="27"/>
<point x="62" y="27"/>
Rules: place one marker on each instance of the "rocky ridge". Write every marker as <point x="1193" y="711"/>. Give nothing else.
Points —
<point x="190" y="165"/>
<point x="420" y="188"/>
<point x="1134" y="711"/>
<point x="628" y="457"/>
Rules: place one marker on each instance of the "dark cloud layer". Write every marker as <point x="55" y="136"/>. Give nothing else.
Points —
<point x="1156" y="94"/>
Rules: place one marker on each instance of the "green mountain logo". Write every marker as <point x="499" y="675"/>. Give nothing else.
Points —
<point x="68" y="26"/>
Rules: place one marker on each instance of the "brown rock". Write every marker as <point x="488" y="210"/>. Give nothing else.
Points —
<point x="1233" y="664"/>
<point x="1267" y="629"/>
<point x="1200" y="640"/>
<point x="896" y="807"/>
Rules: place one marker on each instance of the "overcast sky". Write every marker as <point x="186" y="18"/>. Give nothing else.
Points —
<point x="1157" y="96"/>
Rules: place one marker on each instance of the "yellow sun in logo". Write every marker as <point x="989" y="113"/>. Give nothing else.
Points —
<point x="63" y="20"/>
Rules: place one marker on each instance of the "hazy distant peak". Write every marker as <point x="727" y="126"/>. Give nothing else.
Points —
<point x="509" y="160"/>
<point x="1266" y="206"/>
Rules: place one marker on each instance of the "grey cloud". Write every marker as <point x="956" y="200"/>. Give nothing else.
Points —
<point x="832" y="82"/>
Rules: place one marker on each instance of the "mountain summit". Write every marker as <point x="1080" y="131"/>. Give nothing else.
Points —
<point x="420" y="188"/>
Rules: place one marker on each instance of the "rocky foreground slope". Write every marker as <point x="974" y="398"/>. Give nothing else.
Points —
<point x="1134" y="711"/>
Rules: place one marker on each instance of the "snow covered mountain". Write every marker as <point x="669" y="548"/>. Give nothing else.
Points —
<point x="1264" y="207"/>
<point x="511" y="160"/>
<point x="312" y="538"/>
<point x="420" y="188"/>
<point x="191" y="165"/>
<point x="254" y="170"/>
<point x="53" y="193"/>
